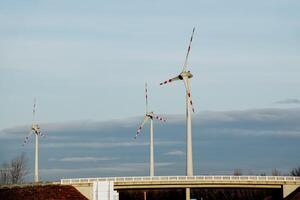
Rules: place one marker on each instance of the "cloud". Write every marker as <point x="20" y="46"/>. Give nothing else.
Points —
<point x="175" y="153"/>
<point x="125" y="128"/>
<point x="83" y="159"/>
<point x="103" y="144"/>
<point x="73" y="127"/>
<point x="67" y="171"/>
<point x="92" y="144"/>
<point x="289" y="101"/>
<point x="123" y="167"/>
<point x="15" y="132"/>
<point x="107" y="148"/>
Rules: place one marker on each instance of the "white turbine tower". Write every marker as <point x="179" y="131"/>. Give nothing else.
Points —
<point x="149" y="115"/>
<point x="185" y="76"/>
<point x="35" y="128"/>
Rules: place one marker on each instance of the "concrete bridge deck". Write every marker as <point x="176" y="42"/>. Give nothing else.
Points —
<point x="287" y="183"/>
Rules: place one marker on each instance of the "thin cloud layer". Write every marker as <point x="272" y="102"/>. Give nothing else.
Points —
<point x="83" y="159"/>
<point x="121" y="168"/>
<point x="289" y="101"/>
<point x="175" y="153"/>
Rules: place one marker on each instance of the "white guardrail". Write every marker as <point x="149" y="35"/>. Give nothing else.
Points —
<point x="184" y="178"/>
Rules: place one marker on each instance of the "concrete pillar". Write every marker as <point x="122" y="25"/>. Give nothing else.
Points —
<point x="187" y="193"/>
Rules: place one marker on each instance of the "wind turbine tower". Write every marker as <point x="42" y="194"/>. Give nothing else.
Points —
<point x="149" y="116"/>
<point x="35" y="129"/>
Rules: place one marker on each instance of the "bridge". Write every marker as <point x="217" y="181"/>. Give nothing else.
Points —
<point x="287" y="184"/>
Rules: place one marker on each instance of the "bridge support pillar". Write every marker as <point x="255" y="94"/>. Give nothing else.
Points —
<point x="288" y="189"/>
<point x="187" y="193"/>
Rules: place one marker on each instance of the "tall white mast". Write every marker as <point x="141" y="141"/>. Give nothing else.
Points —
<point x="151" y="149"/>
<point x="35" y="129"/>
<point x="189" y="148"/>
<point x="36" y="164"/>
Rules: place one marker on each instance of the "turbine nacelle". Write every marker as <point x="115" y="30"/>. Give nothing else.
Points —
<point x="150" y="115"/>
<point x="184" y="74"/>
<point x="36" y="128"/>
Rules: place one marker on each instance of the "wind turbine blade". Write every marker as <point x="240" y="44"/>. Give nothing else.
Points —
<point x="146" y="94"/>
<point x="160" y="118"/>
<point x="170" y="80"/>
<point x="27" y="137"/>
<point x="188" y="51"/>
<point x="39" y="132"/>
<point x="32" y="125"/>
<point x="43" y="135"/>
<point x="188" y="92"/>
<point x="33" y="111"/>
<point x="141" y="126"/>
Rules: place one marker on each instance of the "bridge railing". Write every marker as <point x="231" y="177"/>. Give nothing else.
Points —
<point x="184" y="178"/>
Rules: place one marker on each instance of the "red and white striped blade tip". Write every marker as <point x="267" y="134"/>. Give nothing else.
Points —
<point x="160" y="118"/>
<point x="165" y="82"/>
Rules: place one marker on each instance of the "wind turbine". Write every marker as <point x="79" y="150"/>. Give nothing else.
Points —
<point x="35" y="129"/>
<point x="185" y="76"/>
<point x="151" y="116"/>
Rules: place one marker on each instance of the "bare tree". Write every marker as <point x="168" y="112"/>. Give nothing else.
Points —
<point x="237" y="172"/>
<point x="276" y="172"/>
<point x="4" y="174"/>
<point x="18" y="169"/>
<point x="295" y="171"/>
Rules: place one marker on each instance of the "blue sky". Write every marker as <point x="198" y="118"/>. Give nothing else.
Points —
<point x="88" y="61"/>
